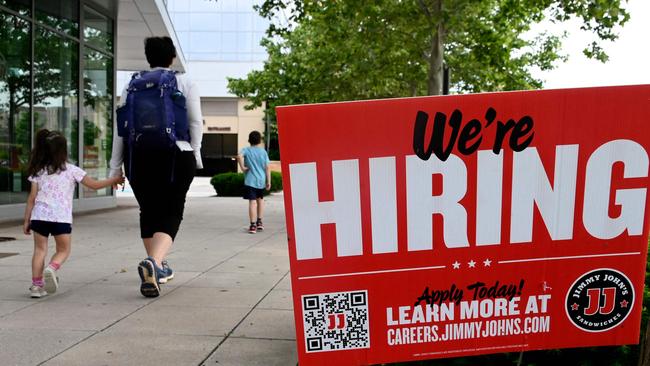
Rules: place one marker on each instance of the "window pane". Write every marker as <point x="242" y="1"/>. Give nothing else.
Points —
<point x="229" y="22"/>
<point x="229" y="42"/>
<point x="257" y="38"/>
<point x="228" y="5"/>
<point x="98" y="30"/>
<point x="98" y="117"/>
<point x="205" y="6"/>
<point x="178" y="5"/>
<point x="245" y="42"/>
<point x="23" y="7"/>
<point x="15" y="129"/>
<point x="181" y="22"/>
<point x="260" y="24"/>
<point x="204" y="22"/>
<point x="106" y="4"/>
<point x="245" y="22"/>
<point x="184" y="40"/>
<point x="211" y="107"/>
<point x="56" y="80"/>
<point x="62" y="15"/>
<point x="205" y="42"/>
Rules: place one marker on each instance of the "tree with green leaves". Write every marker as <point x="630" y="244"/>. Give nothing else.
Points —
<point x="347" y="50"/>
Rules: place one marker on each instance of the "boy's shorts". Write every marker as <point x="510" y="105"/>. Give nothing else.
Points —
<point x="252" y="193"/>
<point x="47" y="228"/>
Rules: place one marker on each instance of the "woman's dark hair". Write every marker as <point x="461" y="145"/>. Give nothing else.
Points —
<point x="254" y="138"/>
<point x="160" y="51"/>
<point x="50" y="153"/>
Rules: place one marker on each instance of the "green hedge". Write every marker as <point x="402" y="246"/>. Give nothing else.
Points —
<point x="276" y="181"/>
<point x="232" y="184"/>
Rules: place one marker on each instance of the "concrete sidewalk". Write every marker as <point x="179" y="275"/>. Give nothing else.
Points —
<point x="230" y="303"/>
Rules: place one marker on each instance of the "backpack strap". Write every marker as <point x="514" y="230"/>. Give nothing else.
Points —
<point x="135" y="76"/>
<point x="130" y="117"/>
<point x="168" y="79"/>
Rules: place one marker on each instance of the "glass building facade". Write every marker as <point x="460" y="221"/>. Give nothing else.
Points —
<point x="221" y="40"/>
<point x="57" y="72"/>
<point x="224" y="30"/>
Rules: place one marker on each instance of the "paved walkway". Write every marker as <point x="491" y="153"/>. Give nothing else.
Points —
<point x="230" y="303"/>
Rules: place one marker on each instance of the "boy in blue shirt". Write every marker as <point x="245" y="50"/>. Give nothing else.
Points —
<point x="254" y="162"/>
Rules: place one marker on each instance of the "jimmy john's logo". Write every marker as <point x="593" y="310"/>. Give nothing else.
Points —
<point x="599" y="300"/>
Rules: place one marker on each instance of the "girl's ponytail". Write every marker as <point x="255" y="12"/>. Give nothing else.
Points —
<point x="39" y="155"/>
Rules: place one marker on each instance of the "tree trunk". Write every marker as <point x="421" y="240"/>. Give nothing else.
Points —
<point x="414" y="88"/>
<point x="13" y="109"/>
<point x="434" y="82"/>
<point x="644" y="352"/>
<point x="12" y="112"/>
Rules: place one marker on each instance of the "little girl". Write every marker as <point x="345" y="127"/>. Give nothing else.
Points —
<point x="49" y="206"/>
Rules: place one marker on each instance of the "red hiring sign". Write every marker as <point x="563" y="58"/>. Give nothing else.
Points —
<point x="462" y="225"/>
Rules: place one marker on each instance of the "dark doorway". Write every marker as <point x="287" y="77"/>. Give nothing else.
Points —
<point x="218" y="151"/>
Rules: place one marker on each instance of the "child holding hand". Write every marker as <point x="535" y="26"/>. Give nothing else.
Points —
<point x="49" y="206"/>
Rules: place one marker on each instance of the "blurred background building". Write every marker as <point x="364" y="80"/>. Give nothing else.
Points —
<point x="219" y="39"/>
<point x="58" y="61"/>
<point x="64" y="63"/>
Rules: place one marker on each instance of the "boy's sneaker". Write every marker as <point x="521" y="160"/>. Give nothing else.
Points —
<point x="252" y="229"/>
<point x="148" y="271"/>
<point x="260" y="226"/>
<point x="51" y="281"/>
<point x="166" y="274"/>
<point x="37" y="292"/>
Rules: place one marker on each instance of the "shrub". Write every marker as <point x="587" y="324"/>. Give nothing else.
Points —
<point x="276" y="181"/>
<point x="232" y="184"/>
<point x="228" y="184"/>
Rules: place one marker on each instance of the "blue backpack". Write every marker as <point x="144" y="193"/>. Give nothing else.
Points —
<point x="154" y="115"/>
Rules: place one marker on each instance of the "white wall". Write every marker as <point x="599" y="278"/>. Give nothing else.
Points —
<point x="211" y="77"/>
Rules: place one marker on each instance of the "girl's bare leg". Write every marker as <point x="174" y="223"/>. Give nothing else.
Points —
<point x="63" y="247"/>
<point x="40" y="252"/>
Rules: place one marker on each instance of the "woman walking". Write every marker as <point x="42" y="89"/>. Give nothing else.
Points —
<point x="160" y="142"/>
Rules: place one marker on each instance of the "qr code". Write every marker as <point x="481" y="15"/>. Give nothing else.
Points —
<point x="336" y="321"/>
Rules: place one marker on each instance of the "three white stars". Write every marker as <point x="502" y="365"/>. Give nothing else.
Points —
<point x="472" y="264"/>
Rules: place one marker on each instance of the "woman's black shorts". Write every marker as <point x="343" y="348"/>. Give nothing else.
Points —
<point x="160" y="180"/>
